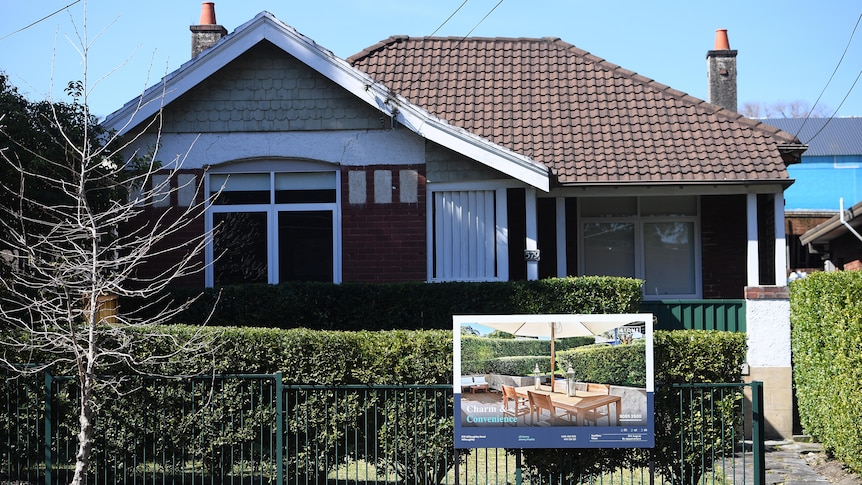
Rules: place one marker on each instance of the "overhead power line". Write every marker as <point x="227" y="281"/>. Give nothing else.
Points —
<point x="40" y="20"/>
<point x="834" y="71"/>
<point x="449" y="18"/>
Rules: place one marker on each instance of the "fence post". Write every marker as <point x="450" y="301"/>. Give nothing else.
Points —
<point x="758" y="428"/>
<point x="519" y="478"/>
<point x="279" y="429"/>
<point x="49" y="397"/>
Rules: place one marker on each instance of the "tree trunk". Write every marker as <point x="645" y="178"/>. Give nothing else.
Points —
<point x="85" y="434"/>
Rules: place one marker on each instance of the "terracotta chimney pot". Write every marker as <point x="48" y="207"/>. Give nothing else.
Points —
<point x="207" y="33"/>
<point x="208" y="14"/>
<point x="721" y="42"/>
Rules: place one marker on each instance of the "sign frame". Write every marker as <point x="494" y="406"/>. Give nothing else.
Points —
<point x="480" y="423"/>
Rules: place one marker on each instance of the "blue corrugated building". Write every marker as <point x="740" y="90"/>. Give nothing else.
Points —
<point x="830" y="170"/>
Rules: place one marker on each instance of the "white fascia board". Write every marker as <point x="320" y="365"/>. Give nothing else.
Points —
<point x="413" y="117"/>
<point x="266" y="27"/>
<point x="477" y="148"/>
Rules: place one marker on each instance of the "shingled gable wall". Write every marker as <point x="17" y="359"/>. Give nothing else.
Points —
<point x="268" y="90"/>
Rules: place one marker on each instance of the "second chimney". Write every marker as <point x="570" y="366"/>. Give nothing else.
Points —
<point x="721" y="72"/>
<point x="207" y="33"/>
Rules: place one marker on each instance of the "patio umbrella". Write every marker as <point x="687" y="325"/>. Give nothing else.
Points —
<point x="555" y="326"/>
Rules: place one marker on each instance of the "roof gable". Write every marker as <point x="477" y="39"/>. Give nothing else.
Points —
<point x="265" y="27"/>
<point x="588" y="120"/>
<point x="268" y="90"/>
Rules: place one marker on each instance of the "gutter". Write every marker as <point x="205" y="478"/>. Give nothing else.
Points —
<point x="792" y="152"/>
<point x="844" y="220"/>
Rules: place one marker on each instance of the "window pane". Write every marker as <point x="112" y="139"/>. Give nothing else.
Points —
<point x="240" y="188"/>
<point x="305" y="246"/>
<point x="304" y="187"/>
<point x="669" y="258"/>
<point x="608" y="206"/>
<point x="669" y="206"/>
<point x="609" y="249"/>
<point x="239" y="248"/>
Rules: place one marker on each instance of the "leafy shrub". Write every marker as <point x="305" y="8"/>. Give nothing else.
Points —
<point x="482" y="355"/>
<point x="483" y="348"/>
<point x="826" y="339"/>
<point x="695" y="356"/>
<point x="622" y="365"/>
<point x="412" y="305"/>
<point x="511" y="366"/>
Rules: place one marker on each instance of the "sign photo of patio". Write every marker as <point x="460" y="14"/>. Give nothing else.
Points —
<point x="552" y="381"/>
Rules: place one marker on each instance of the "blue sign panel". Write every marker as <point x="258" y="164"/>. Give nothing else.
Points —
<point x="507" y="397"/>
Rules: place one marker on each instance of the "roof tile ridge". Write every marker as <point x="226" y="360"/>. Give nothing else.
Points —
<point x="368" y="51"/>
<point x="683" y="96"/>
<point x="767" y="128"/>
<point x="754" y="124"/>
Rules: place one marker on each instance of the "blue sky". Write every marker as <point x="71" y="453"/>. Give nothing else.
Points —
<point x="788" y="49"/>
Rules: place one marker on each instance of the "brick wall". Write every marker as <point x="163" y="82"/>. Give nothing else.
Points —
<point x="724" y="242"/>
<point x="383" y="224"/>
<point x="174" y="246"/>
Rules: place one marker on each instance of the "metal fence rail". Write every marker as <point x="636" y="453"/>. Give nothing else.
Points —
<point x="253" y="429"/>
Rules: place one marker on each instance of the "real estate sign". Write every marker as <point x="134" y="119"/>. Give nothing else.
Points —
<point x="530" y="390"/>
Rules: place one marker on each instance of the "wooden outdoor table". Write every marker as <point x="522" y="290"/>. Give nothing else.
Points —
<point x="579" y="404"/>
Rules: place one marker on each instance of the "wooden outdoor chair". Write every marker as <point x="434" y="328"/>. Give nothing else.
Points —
<point x="603" y="412"/>
<point x="539" y="403"/>
<point x="519" y="405"/>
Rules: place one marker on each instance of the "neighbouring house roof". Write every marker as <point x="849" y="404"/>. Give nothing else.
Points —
<point x="834" y="228"/>
<point x="265" y="27"/>
<point x="825" y="137"/>
<point x="588" y="120"/>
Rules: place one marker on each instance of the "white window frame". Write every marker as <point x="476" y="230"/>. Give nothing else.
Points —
<point x="639" y="241"/>
<point x="272" y="210"/>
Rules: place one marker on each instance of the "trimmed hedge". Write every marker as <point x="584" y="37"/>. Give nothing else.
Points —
<point x="306" y="356"/>
<point x="413" y="305"/>
<point x="509" y="356"/>
<point x="826" y="339"/>
<point x="622" y="365"/>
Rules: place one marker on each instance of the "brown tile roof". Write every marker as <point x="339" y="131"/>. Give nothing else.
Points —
<point x="590" y="121"/>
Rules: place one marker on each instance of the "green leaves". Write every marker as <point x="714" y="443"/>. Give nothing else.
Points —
<point x="826" y="338"/>
<point x="413" y="305"/>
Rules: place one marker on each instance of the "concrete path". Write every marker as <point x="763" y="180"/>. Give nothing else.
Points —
<point x="786" y="465"/>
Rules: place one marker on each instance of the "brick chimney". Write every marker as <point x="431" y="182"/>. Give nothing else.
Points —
<point x="721" y="72"/>
<point x="207" y="33"/>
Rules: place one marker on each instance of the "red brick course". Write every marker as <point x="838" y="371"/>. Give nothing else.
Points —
<point x="384" y="242"/>
<point x="767" y="293"/>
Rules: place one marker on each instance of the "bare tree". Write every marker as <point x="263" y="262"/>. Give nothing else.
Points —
<point x="783" y="109"/>
<point x="74" y="232"/>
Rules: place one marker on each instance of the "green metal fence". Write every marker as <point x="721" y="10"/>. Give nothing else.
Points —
<point x="253" y="429"/>
<point x="725" y="315"/>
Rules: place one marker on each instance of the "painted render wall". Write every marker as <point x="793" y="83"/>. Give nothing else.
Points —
<point x="767" y="313"/>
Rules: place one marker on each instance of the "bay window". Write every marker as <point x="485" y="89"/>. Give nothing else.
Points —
<point x="273" y="226"/>
<point x="651" y="238"/>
